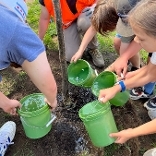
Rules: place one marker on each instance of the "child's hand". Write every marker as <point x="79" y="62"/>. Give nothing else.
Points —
<point x="120" y="66"/>
<point x="110" y="68"/>
<point x="11" y="107"/>
<point x="76" y="57"/>
<point x="107" y="94"/>
<point x="122" y="136"/>
<point x="52" y="105"/>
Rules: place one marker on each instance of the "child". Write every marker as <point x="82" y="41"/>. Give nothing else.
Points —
<point x="143" y="23"/>
<point x="19" y="44"/>
<point x="105" y="19"/>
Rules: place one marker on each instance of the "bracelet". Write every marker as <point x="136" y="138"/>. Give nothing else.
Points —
<point x="122" y="85"/>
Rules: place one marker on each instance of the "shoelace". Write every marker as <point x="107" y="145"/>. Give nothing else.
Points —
<point x="4" y="140"/>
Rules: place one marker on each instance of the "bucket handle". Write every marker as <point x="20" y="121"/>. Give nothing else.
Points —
<point x="53" y="117"/>
<point x="96" y="73"/>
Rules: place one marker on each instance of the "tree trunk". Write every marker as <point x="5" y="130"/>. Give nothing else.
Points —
<point x="58" y="18"/>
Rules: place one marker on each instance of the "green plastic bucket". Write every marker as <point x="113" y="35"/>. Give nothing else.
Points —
<point x="107" y="79"/>
<point x="99" y="122"/>
<point x="81" y="73"/>
<point x="35" y="116"/>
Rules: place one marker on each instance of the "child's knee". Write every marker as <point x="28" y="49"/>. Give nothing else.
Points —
<point x="83" y="23"/>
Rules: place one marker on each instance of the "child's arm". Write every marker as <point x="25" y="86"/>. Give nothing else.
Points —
<point x="43" y="22"/>
<point x="90" y="33"/>
<point x="145" y="129"/>
<point x="120" y="64"/>
<point x="41" y="75"/>
<point x="137" y="78"/>
<point x="9" y="105"/>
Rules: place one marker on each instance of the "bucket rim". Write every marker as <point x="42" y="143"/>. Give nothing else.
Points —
<point x="96" y="116"/>
<point x="71" y="64"/>
<point x="32" y="113"/>
<point x="98" y="113"/>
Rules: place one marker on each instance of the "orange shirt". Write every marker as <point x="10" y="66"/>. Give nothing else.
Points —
<point x="67" y="16"/>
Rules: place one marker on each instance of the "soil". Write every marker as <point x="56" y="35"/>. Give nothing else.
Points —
<point x="68" y="136"/>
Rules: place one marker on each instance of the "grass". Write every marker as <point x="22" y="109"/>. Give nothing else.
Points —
<point x="144" y="56"/>
<point x="33" y="20"/>
<point x="7" y="86"/>
<point x="106" y="42"/>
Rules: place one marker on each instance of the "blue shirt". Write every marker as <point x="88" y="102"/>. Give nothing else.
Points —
<point x="17" y="41"/>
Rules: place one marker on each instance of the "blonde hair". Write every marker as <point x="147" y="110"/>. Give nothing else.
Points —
<point x="104" y="18"/>
<point x="143" y="15"/>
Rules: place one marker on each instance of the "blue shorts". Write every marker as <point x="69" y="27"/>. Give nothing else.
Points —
<point x="118" y="36"/>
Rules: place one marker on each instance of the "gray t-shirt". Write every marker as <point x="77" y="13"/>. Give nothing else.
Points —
<point x="17" y="41"/>
<point x="123" y="28"/>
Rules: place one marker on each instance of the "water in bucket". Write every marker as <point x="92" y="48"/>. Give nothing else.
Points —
<point x="81" y="73"/>
<point x="99" y="122"/>
<point x="35" y="116"/>
<point x="32" y="104"/>
<point x="105" y="80"/>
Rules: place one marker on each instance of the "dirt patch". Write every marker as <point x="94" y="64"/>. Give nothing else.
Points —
<point x="68" y="136"/>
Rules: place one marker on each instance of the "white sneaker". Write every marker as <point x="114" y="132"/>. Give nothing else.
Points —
<point x="7" y="133"/>
<point x="151" y="152"/>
